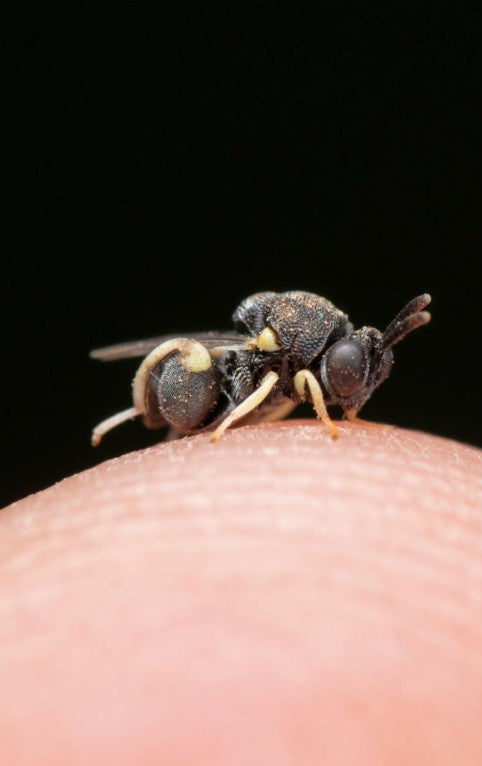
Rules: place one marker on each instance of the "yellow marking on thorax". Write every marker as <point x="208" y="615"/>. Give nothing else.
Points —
<point x="267" y="340"/>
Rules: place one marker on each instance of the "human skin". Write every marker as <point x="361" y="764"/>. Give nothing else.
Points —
<point x="277" y="598"/>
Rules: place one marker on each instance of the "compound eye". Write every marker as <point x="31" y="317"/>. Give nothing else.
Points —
<point x="345" y="367"/>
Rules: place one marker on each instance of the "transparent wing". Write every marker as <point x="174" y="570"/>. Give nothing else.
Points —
<point x="224" y="341"/>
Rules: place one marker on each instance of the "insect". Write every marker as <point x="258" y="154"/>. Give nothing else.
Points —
<point x="286" y="348"/>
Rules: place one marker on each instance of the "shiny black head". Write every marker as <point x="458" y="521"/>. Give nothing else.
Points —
<point x="355" y="365"/>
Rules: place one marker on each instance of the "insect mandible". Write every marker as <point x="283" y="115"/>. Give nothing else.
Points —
<point x="286" y="348"/>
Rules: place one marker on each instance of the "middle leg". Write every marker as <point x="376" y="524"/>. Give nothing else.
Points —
<point x="250" y="403"/>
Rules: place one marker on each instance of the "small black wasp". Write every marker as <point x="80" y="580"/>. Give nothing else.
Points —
<point x="286" y="348"/>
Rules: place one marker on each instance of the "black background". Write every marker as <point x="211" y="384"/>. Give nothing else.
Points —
<point x="162" y="168"/>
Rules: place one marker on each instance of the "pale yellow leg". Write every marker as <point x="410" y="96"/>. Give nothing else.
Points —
<point x="278" y="413"/>
<point x="115" y="420"/>
<point x="305" y="378"/>
<point x="249" y="404"/>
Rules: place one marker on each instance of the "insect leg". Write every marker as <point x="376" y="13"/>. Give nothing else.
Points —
<point x="249" y="404"/>
<point x="178" y="384"/>
<point x="352" y="417"/>
<point x="195" y="358"/>
<point x="279" y="413"/>
<point x="305" y="378"/>
<point x="114" y="420"/>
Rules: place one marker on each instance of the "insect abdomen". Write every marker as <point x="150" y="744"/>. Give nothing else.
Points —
<point x="183" y="398"/>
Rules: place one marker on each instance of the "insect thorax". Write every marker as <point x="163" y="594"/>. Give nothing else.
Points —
<point x="304" y="323"/>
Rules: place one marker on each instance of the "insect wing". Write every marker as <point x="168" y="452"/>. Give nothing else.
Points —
<point x="220" y="342"/>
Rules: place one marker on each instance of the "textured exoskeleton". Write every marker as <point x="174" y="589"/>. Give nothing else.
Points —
<point x="286" y="348"/>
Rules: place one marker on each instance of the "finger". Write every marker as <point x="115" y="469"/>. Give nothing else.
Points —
<point x="277" y="598"/>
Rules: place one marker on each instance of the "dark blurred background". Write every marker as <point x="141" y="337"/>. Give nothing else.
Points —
<point x="160" y="169"/>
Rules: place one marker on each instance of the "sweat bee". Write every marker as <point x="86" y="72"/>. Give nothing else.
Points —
<point x="286" y="348"/>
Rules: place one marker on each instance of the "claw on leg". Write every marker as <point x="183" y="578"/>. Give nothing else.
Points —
<point x="249" y="404"/>
<point x="305" y="378"/>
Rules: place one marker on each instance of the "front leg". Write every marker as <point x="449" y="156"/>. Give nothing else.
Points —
<point x="305" y="379"/>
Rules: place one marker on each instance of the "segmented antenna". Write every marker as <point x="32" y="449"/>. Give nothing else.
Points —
<point x="408" y="319"/>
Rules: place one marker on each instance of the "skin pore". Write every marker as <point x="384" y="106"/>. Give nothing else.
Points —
<point x="277" y="598"/>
